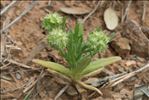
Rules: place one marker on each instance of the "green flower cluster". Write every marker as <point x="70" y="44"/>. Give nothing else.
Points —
<point x="54" y="24"/>
<point x="97" y="41"/>
<point x="52" y="21"/>
<point x="58" y="39"/>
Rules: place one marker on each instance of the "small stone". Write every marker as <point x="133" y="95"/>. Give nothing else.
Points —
<point x="127" y="94"/>
<point x="117" y="96"/>
<point x="93" y="81"/>
<point x="137" y="39"/>
<point x="18" y="76"/>
<point x="141" y="59"/>
<point x="121" y="46"/>
<point x="118" y="87"/>
<point x="130" y="63"/>
<point x="44" y="54"/>
<point x="18" y="12"/>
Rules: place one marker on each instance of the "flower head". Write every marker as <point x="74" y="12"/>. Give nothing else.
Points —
<point x="52" y="21"/>
<point x="58" y="39"/>
<point x="97" y="41"/>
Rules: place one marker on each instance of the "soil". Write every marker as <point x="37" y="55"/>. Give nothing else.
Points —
<point x="23" y="41"/>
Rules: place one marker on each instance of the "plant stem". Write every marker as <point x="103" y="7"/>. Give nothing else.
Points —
<point x="89" y="87"/>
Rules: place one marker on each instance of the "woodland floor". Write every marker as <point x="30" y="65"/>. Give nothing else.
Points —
<point x="21" y="42"/>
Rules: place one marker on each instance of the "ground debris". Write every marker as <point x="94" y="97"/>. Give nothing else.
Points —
<point x="27" y="34"/>
<point x="138" y="41"/>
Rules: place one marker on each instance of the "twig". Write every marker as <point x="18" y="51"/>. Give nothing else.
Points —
<point x="40" y="46"/>
<point x="23" y="70"/>
<point x="8" y="7"/>
<point x="49" y="2"/>
<point x="19" y="17"/>
<point x="144" y="11"/>
<point x="3" y="49"/>
<point x="34" y="82"/>
<point x="4" y="66"/>
<point x="11" y="90"/>
<point x="127" y="76"/>
<point x="126" y="11"/>
<point x="36" y="86"/>
<point x="13" y="47"/>
<point x="61" y="91"/>
<point x="28" y="94"/>
<point x="143" y="68"/>
<point x="101" y="82"/>
<point x="91" y="12"/>
<point x="19" y="64"/>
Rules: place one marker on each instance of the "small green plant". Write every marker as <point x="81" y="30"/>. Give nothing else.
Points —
<point x="77" y="52"/>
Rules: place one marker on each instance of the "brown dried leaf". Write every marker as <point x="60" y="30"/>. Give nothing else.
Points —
<point x="92" y="81"/>
<point x="75" y="10"/>
<point x="110" y="18"/>
<point x="130" y="63"/>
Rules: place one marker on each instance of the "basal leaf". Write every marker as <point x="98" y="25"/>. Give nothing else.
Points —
<point x="53" y="66"/>
<point x="82" y="63"/>
<point x="75" y="10"/>
<point x="98" y="64"/>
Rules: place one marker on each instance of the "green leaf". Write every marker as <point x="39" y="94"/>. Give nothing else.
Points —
<point x="74" y="46"/>
<point x="53" y="66"/>
<point x="79" y="29"/>
<point x="82" y="63"/>
<point x="98" y="64"/>
<point x="27" y="97"/>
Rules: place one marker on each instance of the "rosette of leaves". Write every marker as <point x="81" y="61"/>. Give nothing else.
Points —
<point x="77" y="52"/>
